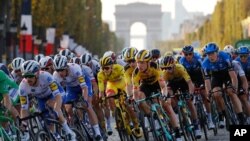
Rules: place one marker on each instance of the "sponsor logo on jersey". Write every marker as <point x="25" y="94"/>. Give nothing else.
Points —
<point x="81" y="79"/>
<point x="53" y="86"/>
<point x="23" y="100"/>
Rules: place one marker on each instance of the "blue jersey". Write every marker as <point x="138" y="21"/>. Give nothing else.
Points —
<point x="223" y="63"/>
<point x="194" y="65"/>
<point x="245" y="66"/>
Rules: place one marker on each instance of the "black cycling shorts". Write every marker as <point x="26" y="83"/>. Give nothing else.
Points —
<point x="148" y="89"/>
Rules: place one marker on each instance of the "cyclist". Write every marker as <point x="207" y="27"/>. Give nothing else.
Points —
<point x="71" y="76"/>
<point x="148" y="79"/>
<point x="46" y="64"/>
<point x="192" y="63"/>
<point x="177" y="77"/>
<point x="16" y="66"/>
<point x="38" y="57"/>
<point x="113" y="75"/>
<point x="66" y="52"/>
<point x="218" y="70"/>
<point x="42" y="86"/>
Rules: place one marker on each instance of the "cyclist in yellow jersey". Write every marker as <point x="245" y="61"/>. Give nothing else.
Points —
<point x="113" y="75"/>
<point x="148" y="79"/>
<point x="177" y="77"/>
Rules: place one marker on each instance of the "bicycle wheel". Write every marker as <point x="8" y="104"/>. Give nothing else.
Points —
<point x="202" y="118"/>
<point x="145" y="129"/>
<point x="43" y="136"/>
<point x="120" y="126"/>
<point x="79" y="126"/>
<point x="215" y="116"/>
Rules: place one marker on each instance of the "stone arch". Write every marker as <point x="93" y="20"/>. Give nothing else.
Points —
<point x="149" y="14"/>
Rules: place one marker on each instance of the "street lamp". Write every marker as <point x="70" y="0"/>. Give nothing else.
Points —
<point x="23" y="32"/>
<point x="13" y="31"/>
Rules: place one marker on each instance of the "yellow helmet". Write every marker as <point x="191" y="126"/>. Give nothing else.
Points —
<point x="143" y="55"/>
<point x="167" y="61"/>
<point x="130" y="53"/>
<point x="168" y="53"/>
<point x="105" y="61"/>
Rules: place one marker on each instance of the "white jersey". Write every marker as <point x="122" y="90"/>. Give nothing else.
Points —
<point x="46" y="86"/>
<point x="237" y="68"/>
<point x="16" y="78"/>
<point x="74" y="78"/>
<point x="88" y="71"/>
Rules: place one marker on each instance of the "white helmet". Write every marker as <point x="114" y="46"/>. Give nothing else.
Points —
<point x="17" y="63"/>
<point x="38" y="57"/>
<point x="229" y="49"/>
<point x="30" y="67"/>
<point x="72" y="55"/>
<point x="109" y="54"/>
<point x="60" y="62"/>
<point x="46" y="61"/>
<point x="85" y="58"/>
<point x="65" y="52"/>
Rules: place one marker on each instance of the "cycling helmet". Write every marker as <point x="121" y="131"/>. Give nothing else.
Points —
<point x="143" y="55"/>
<point x="46" y="61"/>
<point x="229" y="49"/>
<point x="211" y="47"/>
<point x="105" y="61"/>
<point x="123" y="51"/>
<point x="130" y="54"/>
<point x="243" y="50"/>
<point x="60" y="62"/>
<point x="188" y="49"/>
<point x="168" y="53"/>
<point x="72" y="55"/>
<point x="17" y="63"/>
<point x="75" y="60"/>
<point x="156" y="53"/>
<point x="85" y="58"/>
<point x="167" y="61"/>
<point x="110" y="54"/>
<point x="30" y="68"/>
<point x="65" y="52"/>
<point x="38" y="57"/>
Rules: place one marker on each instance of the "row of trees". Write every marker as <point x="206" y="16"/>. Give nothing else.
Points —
<point x="80" y="18"/>
<point x="224" y="26"/>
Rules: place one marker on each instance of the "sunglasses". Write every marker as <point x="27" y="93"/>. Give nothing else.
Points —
<point x="188" y="54"/>
<point x="60" y="70"/>
<point x="131" y="61"/>
<point x="45" y="69"/>
<point x="167" y="68"/>
<point x="29" y="76"/>
<point x="244" y="56"/>
<point x="106" y="68"/>
<point x="17" y="71"/>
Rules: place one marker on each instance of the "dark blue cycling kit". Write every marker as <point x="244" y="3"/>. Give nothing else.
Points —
<point x="245" y="66"/>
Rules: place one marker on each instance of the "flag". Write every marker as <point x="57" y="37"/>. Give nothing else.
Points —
<point x="64" y="43"/>
<point x="26" y="20"/>
<point x="50" y="37"/>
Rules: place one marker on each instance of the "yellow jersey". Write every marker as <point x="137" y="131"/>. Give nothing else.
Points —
<point x="150" y="76"/>
<point x="117" y="74"/>
<point x="128" y="74"/>
<point x="178" y="73"/>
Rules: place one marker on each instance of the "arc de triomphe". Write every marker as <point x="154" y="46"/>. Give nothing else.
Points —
<point x="149" y="14"/>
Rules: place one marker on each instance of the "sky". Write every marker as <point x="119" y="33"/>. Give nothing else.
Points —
<point x="205" y="6"/>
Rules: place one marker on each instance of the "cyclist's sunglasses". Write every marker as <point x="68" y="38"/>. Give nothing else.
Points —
<point x="244" y="56"/>
<point x="29" y="76"/>
<point x="17" y="71"/>
<point x="131" y="61"/>
<point x="167" y="68"/>
<point x="188" y="54"/>
<point x="106" y="68"/>
<point x="60" y="70"/>
<point x="45" y="69"/>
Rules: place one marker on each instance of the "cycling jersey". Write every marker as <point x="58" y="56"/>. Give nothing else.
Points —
<point x="192" y="66"/>
<point x="128" y="73"/>
<point x="237" y="68"/>
<point x="74" y="78"/>
<point x="74" y="81"/>
<point x="120" y="62"/>
<point x="223" y="64"/>
<point x="114" y="81"/>
<point x="95" y="66"/>
<point x="245" y="66"/>
<point x="178" y="73"/>
<point x="5" y="82"/>
<point x="151" y="76"/>
<point x="46" y="89"/>
<point x="88" y="76"/>
<point x="147" y="81"/>
<point x="16" y="77"/>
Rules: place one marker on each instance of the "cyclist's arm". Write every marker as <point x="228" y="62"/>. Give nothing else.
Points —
<point x="234" y="79"/>
<point x="100" y="78"/>
<point x="163" y="85"/>
<point x="187" y="78"/>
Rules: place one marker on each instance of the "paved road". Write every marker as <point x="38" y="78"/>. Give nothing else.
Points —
<point x="222" y="135"/>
